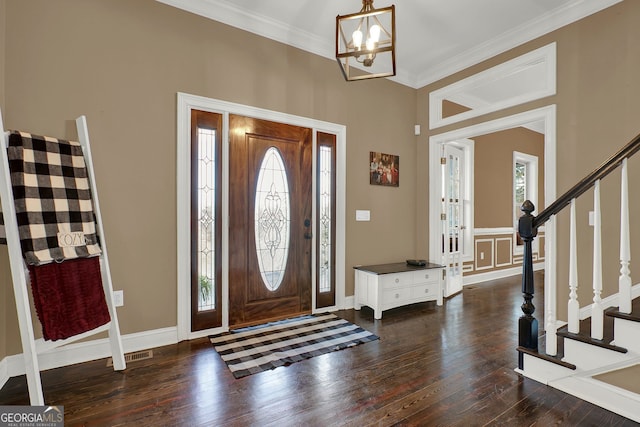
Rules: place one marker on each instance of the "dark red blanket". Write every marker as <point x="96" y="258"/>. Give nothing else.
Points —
<point x="69" y="297"/>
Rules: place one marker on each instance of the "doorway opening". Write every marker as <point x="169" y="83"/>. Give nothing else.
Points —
<point x="543" y="119"/>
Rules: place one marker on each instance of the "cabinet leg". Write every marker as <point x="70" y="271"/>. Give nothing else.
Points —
<point x="377" y="314"/>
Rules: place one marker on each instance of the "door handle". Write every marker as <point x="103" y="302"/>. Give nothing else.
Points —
<point x="307" y="234"/>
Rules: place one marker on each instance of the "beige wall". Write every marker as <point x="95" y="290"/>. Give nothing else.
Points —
<point x="121" y="63"/>
<point x="493" y="174"/>
<point x="597" y="113"/>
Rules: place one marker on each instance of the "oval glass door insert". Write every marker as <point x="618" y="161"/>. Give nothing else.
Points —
<point x="272" y="219"/>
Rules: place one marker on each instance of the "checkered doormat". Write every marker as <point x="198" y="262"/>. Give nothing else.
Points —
<point x="259" y="348"/>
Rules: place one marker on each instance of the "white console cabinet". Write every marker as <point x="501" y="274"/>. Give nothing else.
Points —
<point x="387" y="286"/>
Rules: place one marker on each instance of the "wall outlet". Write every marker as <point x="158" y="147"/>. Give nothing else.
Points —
<point x="118" y="298"/>
<point x="481" y="255"/>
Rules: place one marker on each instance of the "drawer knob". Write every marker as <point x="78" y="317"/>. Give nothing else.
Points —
<point x="397" y="296"/>
<point x="426" y="276"/>
<point x="397" y="280"/>
<point x="426" y="291"/>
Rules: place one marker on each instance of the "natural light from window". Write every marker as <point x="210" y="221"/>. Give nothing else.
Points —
<point x="272" y="219"/>
<point x="206" y="218"/>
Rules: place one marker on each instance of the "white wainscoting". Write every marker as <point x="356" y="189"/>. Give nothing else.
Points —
<point x="497" y="274"/>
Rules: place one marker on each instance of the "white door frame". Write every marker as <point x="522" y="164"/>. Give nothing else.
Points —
<point x="186" y="103"/>
<point x="548" y="116"/>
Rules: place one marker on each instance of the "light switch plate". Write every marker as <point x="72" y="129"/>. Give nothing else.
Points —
<point x="118" y="298"/>
<point x="363" y="215"/>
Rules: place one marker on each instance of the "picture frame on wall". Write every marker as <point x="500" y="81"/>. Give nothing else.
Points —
<point x="384" y="169"/>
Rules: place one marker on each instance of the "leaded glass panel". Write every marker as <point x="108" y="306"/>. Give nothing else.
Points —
<point x="325" y="220"/>
<point x="206" y="218"/>
<point x="272" y="219"/>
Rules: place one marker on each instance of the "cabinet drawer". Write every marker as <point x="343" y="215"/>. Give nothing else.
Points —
<point x="393" y="296"/>
<point x="390" y="281"/>
<point x="426" y="276"/>
<point x="424" y="290"/>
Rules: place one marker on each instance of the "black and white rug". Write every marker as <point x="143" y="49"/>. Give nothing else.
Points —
<point x="259" y="348"/>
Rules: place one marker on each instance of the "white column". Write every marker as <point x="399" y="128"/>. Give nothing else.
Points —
<point x="597" y="315"/>
<point x="624" y="282"/>
<point x="573" y="310"/>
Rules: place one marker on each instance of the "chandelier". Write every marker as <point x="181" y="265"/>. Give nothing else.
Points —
<point x="366" y="42"/>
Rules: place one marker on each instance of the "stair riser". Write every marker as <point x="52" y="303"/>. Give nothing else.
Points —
<point x="543" y="371"/>
<point x="627" y="333"/>
<point x="587" y="357"/>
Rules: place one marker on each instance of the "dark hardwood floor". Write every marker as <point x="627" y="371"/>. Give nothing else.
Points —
<point x="433" y="366"/>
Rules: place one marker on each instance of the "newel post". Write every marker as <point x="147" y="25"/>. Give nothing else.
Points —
<point x="527" y="324"/>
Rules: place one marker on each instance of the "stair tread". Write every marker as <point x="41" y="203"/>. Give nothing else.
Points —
<point x="634" y="316"/>
<point x="584" y="334"/>
<point x="586" y="338"/>
<point x="553" y="359"/>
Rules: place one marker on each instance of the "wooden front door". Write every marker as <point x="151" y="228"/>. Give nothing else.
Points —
<point x="269" y="220"/>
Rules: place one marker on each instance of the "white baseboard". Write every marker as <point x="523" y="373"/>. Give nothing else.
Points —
<point x="12" y="366"/>
<point x="497" y="274"/>
<point x="349" y="302"/>
<point x="4" y="372"/>
<point x="606" y="396"/>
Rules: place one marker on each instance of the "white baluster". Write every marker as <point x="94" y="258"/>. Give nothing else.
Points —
<point x="597" y="313"/>
<point x="624" y="282"/>
<point x="573" y="306"/>
<point x="551" y="327"/>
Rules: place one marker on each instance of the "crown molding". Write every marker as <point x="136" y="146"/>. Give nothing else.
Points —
<point x="568" y="13"/>
<point x="226" y="12"/>
<point x="230" y="14"/>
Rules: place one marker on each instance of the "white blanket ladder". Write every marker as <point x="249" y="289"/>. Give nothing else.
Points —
<point x="32" y="347"/>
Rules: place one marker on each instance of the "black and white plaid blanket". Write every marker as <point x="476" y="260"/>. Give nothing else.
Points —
<point x="52" y="196"/>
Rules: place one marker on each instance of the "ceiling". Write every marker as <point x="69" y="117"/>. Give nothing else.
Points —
<point x="435" y="38"/>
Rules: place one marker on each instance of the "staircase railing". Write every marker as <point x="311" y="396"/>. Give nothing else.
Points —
<point x="528" y="228"/>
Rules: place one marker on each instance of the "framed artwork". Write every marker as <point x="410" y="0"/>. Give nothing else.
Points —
<point x="384" y="169"/>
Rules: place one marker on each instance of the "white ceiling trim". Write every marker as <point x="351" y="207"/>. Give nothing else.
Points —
<point x="261" y="25"/>
<point x="558" y="18"/>
<point x="224" y="12"/>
